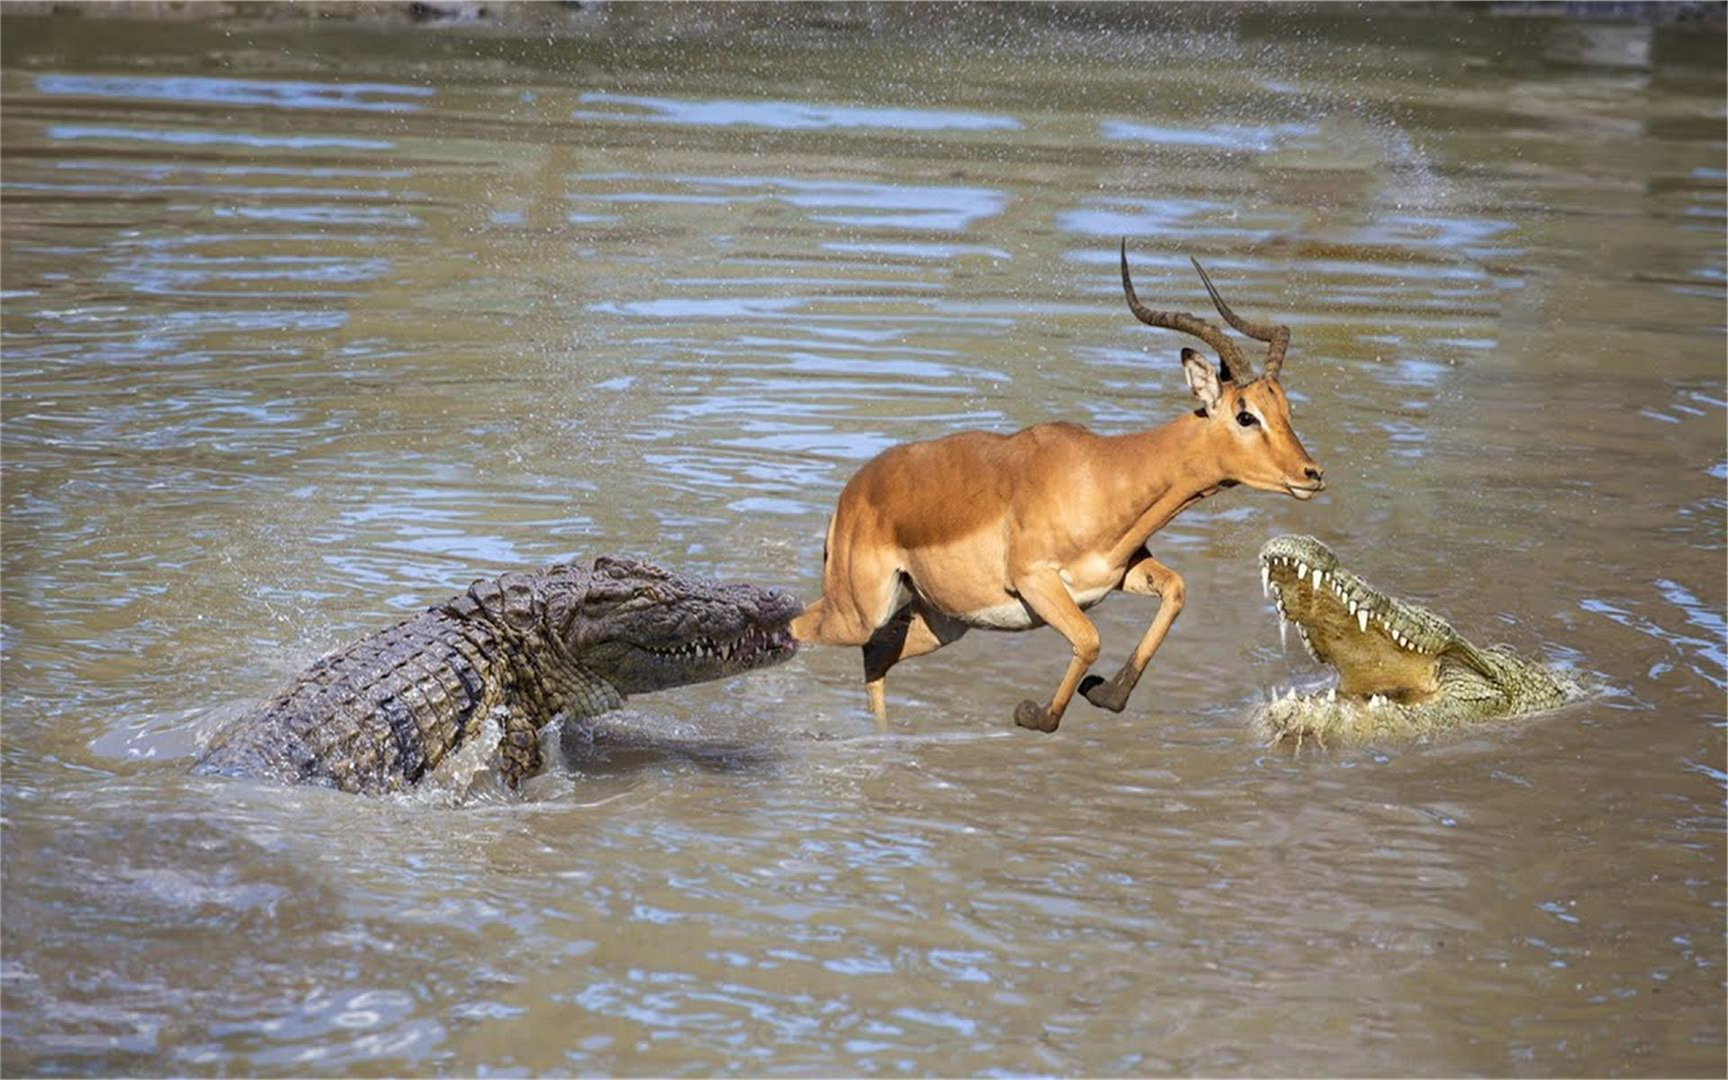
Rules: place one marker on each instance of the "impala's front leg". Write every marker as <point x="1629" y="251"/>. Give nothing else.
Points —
<point x="1148" y="577"/>
<point x="1044" y="593"/>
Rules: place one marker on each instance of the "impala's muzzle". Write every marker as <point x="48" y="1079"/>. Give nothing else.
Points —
<point x="1313" y="482"/>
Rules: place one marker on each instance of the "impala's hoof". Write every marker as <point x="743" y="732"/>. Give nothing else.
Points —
<point x="1030" y="714"/>
<point x="1103" y="693"/>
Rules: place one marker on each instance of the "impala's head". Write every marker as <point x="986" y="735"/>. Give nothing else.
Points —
<point x="1248" y="415"/>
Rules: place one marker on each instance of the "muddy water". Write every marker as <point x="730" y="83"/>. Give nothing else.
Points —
<point x="305" y="326"/>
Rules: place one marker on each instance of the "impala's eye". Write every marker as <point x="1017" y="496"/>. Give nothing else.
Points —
<point x="1246" y="418"/>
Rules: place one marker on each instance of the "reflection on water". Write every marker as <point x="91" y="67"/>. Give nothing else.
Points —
<point x="289" y="354"/>
<point x="783" y="115"/>
<point x="210" y="91"/>
<point x="896" y="206"/>
<point x="73" y="132"/>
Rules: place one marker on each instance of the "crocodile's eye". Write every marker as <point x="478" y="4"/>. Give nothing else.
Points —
<point x="1246" y="418"/>
<point x="604" y="594"/>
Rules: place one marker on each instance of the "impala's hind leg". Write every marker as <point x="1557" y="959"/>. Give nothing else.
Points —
<point x="858" y="596"/>
<point x="823" y="623"/>
<point x="916" y="630"/>
<point x="807" y="625"/>
<point x="1148" y="577"/>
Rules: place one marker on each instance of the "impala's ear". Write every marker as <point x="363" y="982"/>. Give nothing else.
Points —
<point x="1201" y="379"/>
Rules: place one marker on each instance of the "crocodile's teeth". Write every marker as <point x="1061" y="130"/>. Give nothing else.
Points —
<point x="1283" y="629"/>
<point x="1301" y="569"/>
<point x="1319" y="576"/>
<point x="1265" y="580"/>
<point x="1332" y="694"/>
<point x="1351" y="604"/>
<point x="1362" y="619"/>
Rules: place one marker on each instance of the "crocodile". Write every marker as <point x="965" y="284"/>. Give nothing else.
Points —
<point x="1403" y="671"/>
<point x="521" y="649"/>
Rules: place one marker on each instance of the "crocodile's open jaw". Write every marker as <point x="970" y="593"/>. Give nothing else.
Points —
<point x="1402" y="670"/>
<point x="1380" y="646"/>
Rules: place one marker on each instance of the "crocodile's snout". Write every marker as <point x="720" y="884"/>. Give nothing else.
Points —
<point x="780" y="606"/>
<point x="651" y="630"/>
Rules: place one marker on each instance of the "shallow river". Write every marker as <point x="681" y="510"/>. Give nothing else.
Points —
<point x="305" y="326"/>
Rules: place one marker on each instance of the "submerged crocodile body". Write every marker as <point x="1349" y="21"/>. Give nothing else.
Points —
<point x="1403" y="671"/>
<point x="522" y="649"/>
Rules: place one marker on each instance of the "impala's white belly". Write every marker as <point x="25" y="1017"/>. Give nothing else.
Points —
<point x="1010" y="616"/>
<point x="1015" y="615"/>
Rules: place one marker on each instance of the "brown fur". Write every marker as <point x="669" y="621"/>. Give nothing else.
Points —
<point x="1008" y="532"/>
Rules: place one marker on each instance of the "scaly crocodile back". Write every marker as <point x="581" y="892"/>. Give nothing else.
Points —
<point x="375" y="716"/>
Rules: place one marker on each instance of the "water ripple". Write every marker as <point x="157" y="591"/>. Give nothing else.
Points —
<point x="784" y="115"/>
<point x="194" y="137"/>
<point x="210" y="90"/>
<point x="288" y="357"/>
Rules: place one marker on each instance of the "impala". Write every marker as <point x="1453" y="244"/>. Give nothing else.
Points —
<point x="1009" y="532"/>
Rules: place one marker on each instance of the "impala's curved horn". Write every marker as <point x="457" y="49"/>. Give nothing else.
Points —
<point x="1276" y="335"/>
<point x="1236" y="368"/>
